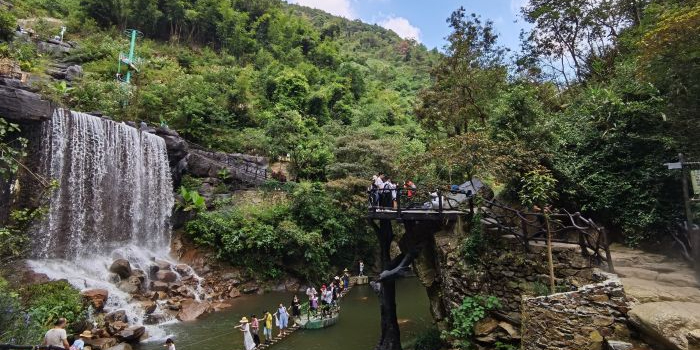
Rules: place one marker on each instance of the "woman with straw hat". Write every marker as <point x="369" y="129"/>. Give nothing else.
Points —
<point x="248" y="342"/>
<point x="79" y="343"/>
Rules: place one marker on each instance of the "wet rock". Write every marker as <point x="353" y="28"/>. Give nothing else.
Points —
<point x="183" y="269"/>
<point x="121" y="267"/>
<point x="101" y="343"/>
<point x="162" y="265"/>
<point x="234" y="293"/>
<point x="191" y="310"/>
<point x="114" y="328"/>
<point x="154" y="319"/>
<point x="121" y="346"/>
<point x="132" y="334"/>
<point x="131" y="285"/>
<point x="149" y="306"/>
<point x="113" y="278"/>
<point x="250" y="289"/>
<point x="119" y="315"/>
<point x="159" y="286"/>
<point x="96" y="297"/>
<point x="162" y="295"/>
<point x="220" y="306"/>
<point x="166" y="276"/>
<point x="617" y="345"/>
<point x="140" y="274"/>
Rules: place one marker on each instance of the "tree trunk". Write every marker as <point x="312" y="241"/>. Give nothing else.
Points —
<point x="390" y="337"/>
<point x="550" y="263"/>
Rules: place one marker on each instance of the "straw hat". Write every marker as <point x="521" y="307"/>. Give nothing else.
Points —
<point x="337" y="278"/>
<point x="86" y="334"/>
<point x="346" y="270"/>
<point x="244" y="320"/>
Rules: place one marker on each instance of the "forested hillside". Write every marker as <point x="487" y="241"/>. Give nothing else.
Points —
<point x="598" y="97"/>
<point x="261" y="77"/>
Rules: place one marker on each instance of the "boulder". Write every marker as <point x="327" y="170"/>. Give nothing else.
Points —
<point x="140" y="274"/>
<point x="250" y="289"/>
<point x="74" y="72"/>
<point x="183" y="269"/>
<point x="158" y="286"/>
<point x="162" y="265"/>
<point x="131" y="285"/>
<point x="149" y="306"/>
<point x="19" y="104"/>
<point x="166" y="276"/>
<point x="154" y="319"/>
<point x="121" y="346"/>
<point x="53" y="49"/>
<point x="101" y="343"/>
<point x="667" y="323"/>
<point x="132" y="334"/>
<point x="234" y="293"/>
<point x="485" y="326"/>
<point x="121" y="267"/>
<point x="114" y="328"/>
<point x="191" y="310"/>
<point x="96" y="297"/>
<point x="119" y="315"/>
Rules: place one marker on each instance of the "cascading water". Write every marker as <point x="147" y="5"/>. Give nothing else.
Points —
<point x="114" y="200"/>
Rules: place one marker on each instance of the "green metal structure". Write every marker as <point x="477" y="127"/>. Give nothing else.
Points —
<point x="129" y="61"/>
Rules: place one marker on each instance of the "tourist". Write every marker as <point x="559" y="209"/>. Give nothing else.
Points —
<point x="283" y="318"/>
<point x="362" y="268"/>
<point x="296" y="308"/>
<point x="378" y="187"/>
<point x="255" y="329"/>
<point x="248" y="342"/>
<point x="346" y="279"/>
<point x="170" y="344"/>
<point x="56" y="336"/>
<point x="314" y="304"/>
<point x="410" y="188"/>
<point x="311" y="291"/>
<point x="267" y="329"/>
<point x="79" y="344"/>
<point x="390" y="187"/>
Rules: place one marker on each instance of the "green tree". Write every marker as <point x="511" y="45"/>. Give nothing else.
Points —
<point x="467" y="80"/>
<point x="538" y="190"/>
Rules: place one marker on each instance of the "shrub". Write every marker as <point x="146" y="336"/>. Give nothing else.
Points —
<point x="465" y="317"/>
<point x="7" y="25"/>
<point x="428" y="340"/>
<point x="48" y="301"/>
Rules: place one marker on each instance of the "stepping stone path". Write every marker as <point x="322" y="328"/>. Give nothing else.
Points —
<point x="295" y="328"/>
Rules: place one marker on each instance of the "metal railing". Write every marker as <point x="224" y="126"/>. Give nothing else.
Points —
<point x="30" y="347"/>
<point x="417" y="200"/>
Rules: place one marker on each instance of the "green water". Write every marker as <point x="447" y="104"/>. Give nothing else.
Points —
<point x="357" y="328"/>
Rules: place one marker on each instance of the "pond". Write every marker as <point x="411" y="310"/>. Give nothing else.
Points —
<point x="357" y="328"/>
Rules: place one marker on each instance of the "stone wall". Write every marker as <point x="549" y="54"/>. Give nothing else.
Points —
<point x="504" y="268"/>
<point x="582" y="319"/>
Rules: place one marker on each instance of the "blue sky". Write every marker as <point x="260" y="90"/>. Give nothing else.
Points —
<point x="425" y="20"/>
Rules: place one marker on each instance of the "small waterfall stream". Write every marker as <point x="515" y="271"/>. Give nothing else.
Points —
<point x="114" y="200"/>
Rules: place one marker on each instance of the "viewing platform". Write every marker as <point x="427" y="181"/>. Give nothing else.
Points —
<point x="420" y="205"/>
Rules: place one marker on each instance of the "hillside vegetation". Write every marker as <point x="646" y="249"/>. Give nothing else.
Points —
<point x="597" y="99"/>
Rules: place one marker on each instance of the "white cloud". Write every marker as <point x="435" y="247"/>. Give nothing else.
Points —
<point x="340" y="8"/>
<point x="516" y="5"/>
<point x="402" y="27"/>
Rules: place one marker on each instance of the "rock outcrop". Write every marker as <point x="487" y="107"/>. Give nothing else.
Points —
<point x="191" y="310"/>
<point x="19" y="102"/>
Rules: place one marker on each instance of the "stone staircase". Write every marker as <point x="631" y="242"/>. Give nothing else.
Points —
<point x="666" y="297"/>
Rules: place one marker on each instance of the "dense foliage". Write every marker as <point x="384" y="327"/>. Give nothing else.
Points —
<point x="305" y="233"/>
<point x="464" y="318"/>
<point x="28" y="312"/>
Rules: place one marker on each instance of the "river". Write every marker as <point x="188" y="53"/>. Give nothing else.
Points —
<point x="357" y="329"/>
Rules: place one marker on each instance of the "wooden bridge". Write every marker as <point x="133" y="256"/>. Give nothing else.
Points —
<point x="526" y="227"/>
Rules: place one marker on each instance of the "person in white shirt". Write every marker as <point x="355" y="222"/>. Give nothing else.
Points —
<point x="378" y="187"/>
<point x="56" y="336"/>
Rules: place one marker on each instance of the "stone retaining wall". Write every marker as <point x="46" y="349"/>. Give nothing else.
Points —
<point x="582" y="319"/>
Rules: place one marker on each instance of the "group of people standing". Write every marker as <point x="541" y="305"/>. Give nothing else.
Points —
<point x="251" y="327"/>
<point x="328" y="296"/>
<point x="384" y="190"/>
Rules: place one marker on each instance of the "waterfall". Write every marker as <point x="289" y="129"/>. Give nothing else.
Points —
<point x="114" y="200"/>
<point x="114" y="188"/>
